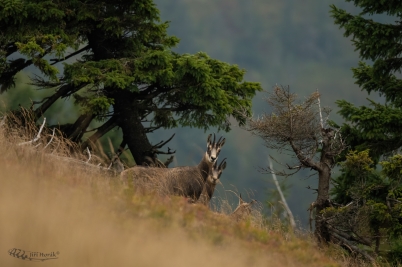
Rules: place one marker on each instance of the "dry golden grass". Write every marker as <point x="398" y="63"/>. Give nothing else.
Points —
<point x="92" y="220"/>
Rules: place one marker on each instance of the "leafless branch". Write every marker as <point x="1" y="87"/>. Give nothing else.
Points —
<point x="37" y="136"/>
<point x="294" y="167"/>
<point x="354" y="248"/>
<point x="51" y="139"/>
<point x="285" y="204"/>
<point x="168" y="161"/>
<point x="283" y="173"/>
<point x="89" y="155"/>
<point x="169" y="152"/>
<point x="315" y="189"/>
<point x="162" y="143"/>
<point x="78" y="162"/>
<point x="319" y="108"/>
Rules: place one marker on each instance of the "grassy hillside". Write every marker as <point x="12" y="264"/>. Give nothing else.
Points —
<point x="88" y="219"/>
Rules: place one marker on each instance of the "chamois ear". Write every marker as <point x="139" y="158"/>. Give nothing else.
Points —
<point x="221" y="143"/>
<point x="222" y="166"/>
<point x="209" y="139"/>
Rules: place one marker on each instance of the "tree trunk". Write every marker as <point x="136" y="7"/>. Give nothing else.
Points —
<point x="129" y="120"/>
<point x="377" y="239"/>
<point x="324" y="177"/>
<point x="321" y="229"/>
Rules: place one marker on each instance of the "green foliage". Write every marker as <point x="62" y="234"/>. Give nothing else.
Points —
<point x="393" y="167"/>
<point x="119" y="66"/>
<point x="358" y="162"/>
<point x="203" y="90"/>
<point x="357" y="170"/>
<point x="35" y="29"/>
<point x="379" y="195"/>
<point x="375" y="127"/>
<point x="395" y="253"/>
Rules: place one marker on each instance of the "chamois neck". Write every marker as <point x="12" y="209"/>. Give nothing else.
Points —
<point x="205" y="165"/>
<point x="210" y="189"/>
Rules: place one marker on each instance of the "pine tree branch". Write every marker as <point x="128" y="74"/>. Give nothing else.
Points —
<point x="70" y="55"/>
<point x="62" y="91"/>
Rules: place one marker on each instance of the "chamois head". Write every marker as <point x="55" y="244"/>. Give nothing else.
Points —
<point x="213" y="149"/>
<point x="216" y="172"/>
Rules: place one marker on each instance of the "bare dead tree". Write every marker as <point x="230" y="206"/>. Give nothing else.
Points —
<point x="299" y="127"/>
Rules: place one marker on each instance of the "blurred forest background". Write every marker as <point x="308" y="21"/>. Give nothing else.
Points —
<point x="285" y="42"/>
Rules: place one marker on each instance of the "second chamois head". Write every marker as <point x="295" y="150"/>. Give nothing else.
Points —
<point x="213" y="149"/>
<point x="216" y="172"/>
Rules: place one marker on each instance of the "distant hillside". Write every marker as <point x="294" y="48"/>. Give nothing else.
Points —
<point x="286" y="42"/>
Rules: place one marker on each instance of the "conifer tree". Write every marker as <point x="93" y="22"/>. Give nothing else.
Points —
<point x="377" y="126"/>
<point x="370" y="200"/>
<point x="126" y="72"/>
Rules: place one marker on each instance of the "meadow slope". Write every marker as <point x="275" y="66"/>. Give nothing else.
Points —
<point x="88" y="219"/>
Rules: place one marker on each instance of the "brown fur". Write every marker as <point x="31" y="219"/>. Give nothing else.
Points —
<point x="211" y="182"/>
<point x="242" y="211"/>
<point x="183" y="181"/>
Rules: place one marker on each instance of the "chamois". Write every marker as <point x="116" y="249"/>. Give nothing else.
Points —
<point x="184" y="181"/>
<point x="242" y="211"/>
<point x="212" y="180"/>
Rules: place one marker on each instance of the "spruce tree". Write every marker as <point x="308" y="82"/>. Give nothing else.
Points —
<point x="370" y="201"/>
<point x="377" y="126"/>
<point x="126" y="72"/>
